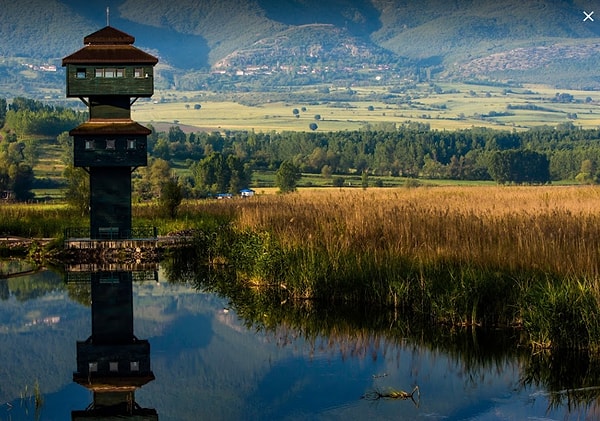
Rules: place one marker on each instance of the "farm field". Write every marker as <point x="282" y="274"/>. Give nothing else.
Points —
<point x="442" y="106"/>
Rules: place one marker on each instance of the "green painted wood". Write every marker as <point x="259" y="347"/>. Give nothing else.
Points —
<point x="110" y="200"/>
<point x="137" y="350"/>
<point x="109" y="71"/>
<point x="110" y="107"/>
<point x="92" y="151"/>
<point x="128" y="85"/>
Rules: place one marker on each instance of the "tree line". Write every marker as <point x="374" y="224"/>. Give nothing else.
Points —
<point x="538" y="155"/>
<point x="221" y="162"/>
<point x="29" y="117"/>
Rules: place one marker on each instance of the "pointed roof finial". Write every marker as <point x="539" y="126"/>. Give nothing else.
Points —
<point x="107" y="16"/>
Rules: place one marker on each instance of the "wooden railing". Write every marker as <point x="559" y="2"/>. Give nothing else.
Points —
<point x="112" y="233"/>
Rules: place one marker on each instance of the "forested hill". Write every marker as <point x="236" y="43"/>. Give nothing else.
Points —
<point x="543" y="40"/>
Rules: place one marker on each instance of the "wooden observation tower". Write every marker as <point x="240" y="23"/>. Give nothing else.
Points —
<point x="109" y="74"/>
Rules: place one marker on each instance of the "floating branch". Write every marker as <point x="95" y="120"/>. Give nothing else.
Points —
<point x="393" y="394"/>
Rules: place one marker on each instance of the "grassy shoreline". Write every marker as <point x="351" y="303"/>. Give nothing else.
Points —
<point x="461" y="256"/>
<point x="493" y="256"/>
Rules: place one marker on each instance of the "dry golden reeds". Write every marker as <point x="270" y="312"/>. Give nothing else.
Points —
<point x="457" y="255"/>
<point x="553" y="229"/>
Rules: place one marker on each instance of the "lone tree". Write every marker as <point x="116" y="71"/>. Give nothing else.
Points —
<point x="587" y="173"/>
<point x="171" y="196"/>
<point x="287" y="177"/>
<point x="3" y="109"/>
<point x="364" y="179"/>
<point x="77" y="194"/>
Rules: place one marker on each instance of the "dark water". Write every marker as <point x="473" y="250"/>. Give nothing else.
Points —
<point x="272" y="362"/>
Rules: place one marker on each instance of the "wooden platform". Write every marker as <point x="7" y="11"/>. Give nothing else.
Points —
<point x="137" y="244"/>
<point x="131" y="250"/>
<point x="133" y="243"/>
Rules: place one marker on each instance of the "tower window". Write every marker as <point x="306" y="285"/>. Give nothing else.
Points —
<point x="113" y="366"/>
<point x="138" y="72"/>
<point x="80" y="73"/>
<point x="109" y="72"/>
<point x="131" y="144"/>
<point x="111" y="144"/>
<point x="134" y="366"/>
<point x="89" y="145"/>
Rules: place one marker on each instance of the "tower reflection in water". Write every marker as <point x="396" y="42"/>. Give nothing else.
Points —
<point x="112" y="363"/>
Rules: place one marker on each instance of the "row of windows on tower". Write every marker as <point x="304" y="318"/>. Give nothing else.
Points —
<point x="108" y="144"/>
<point x="113" y="366"/>
<point x="110" y="72"/>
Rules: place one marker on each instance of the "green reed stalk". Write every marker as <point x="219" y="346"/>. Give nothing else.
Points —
<point x="37" y="221"/>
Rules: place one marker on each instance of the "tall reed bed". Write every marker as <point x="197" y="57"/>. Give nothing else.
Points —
<point x="38" y="221"/>
<point x="457" y="255"/>
<point x="553" y="229"/>
<point x="189" y="216"/>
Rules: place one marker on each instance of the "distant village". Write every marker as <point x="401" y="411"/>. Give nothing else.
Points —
<point x="42" y="68"/>
<point x="252" y="70"/>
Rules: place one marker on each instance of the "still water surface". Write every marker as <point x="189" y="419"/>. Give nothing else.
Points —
<point x="210" y="363"/>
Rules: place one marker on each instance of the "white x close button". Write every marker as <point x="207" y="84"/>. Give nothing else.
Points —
<point x="588" y="16"/>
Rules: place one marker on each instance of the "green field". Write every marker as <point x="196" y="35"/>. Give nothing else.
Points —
<point x="445" y="106"/>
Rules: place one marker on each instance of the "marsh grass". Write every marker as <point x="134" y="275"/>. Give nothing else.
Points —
<point x="37" y="221"/>
<point x="553" y="230"/>
<point x="562" y="311"/>
<point x="477" y="255"/>
<point x="351" y="330"/>
<point x="524" y="256"/>
<point x="33" y="396"/>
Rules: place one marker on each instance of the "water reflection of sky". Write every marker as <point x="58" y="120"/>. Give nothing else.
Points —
<point x="208" y="365"/>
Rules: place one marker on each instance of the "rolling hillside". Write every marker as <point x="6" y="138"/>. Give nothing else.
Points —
<point x="535" y="41"/>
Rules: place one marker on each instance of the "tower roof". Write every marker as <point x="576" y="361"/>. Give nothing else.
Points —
<point x="109" y="35"/>
<point x="109" y="45"/>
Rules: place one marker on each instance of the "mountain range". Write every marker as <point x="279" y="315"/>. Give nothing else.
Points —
<point x="548" y="41"/>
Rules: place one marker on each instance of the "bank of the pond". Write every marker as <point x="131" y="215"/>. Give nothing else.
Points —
<point x="502" y="256"/>
<point x="552" y="311"/>
<point x="458" y="256"/>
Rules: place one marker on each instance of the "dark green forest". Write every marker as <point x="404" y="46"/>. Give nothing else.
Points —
<point x="23" y="124"/>
<point x="537" y="156"/>
<point x="210" y="163"/>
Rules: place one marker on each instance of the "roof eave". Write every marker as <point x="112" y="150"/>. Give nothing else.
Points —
<point x="110" y="128"/>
